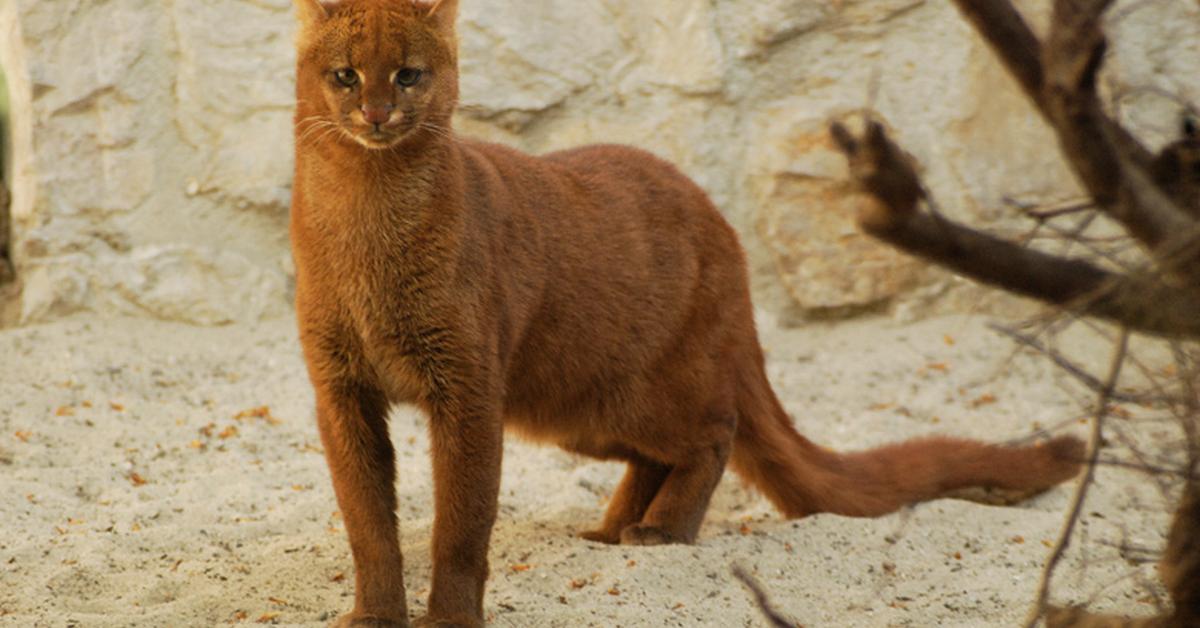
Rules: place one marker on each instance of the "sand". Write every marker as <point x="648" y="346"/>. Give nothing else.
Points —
<point x="154" y="474"/>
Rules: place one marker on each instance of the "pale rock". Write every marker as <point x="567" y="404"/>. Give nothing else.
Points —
<point x="201" y="286"/>
<point x="807" y="220"/>
<point x="147" y="126"/>
<point x="511" y="64"/>
<point x="754" y="29"/>
<point x="239" y="170"/>
<point x="152" y="155"/>
<point x="676" y="45"/>
<point x="54" y="289"/>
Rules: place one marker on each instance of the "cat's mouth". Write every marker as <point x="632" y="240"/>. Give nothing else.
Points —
<point x="377" y="138"/>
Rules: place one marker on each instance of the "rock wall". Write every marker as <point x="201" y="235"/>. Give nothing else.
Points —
<point x="152" y="141"/>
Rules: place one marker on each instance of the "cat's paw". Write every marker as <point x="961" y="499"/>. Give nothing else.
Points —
<point x="433" y="622"/>
<point x="354" y="620"/>
<point x="601" y="536"/>
<point x="642" y="534"/>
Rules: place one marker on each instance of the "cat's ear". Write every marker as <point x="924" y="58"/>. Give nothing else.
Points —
<point x="445" y="12"/>
<point x="313" y="12"/>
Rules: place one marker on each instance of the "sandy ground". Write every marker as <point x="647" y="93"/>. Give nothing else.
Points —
<point x="142" y="484"/>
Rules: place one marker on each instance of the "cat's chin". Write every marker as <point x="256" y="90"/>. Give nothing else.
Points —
<point x="377" y="141"/>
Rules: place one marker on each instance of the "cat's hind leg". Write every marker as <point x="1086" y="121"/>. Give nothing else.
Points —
<point x="637" y="489"/>
<point x="677" y="510"/>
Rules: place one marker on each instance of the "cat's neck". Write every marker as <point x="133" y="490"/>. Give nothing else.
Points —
<point x="348" y="186"/>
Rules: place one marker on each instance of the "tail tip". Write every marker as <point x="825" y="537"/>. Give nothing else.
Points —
<point x="1067" y="453"/>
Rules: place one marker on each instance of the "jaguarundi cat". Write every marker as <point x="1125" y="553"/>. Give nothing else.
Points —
<point x="591" y="298"/>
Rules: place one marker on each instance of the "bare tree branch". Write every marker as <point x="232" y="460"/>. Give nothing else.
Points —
<point x="886" y="172"/>
<point x="1180" y="571"/>
<point x="1059" y="78"/>
<point x="1064" y="539"/>
<point x="1003" y="28"/>
<point x="1176" y="168"/>
<point x="1116" y="180"/>
<point x="1180" y="567"/>
<point x="1154" y="198"/>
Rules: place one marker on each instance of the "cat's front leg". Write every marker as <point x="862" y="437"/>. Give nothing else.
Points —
<point x="466" y="438"/>
<point x="353" y="422"/>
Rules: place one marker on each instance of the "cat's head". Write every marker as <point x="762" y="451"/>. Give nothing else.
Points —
<point x="375" y="72"/>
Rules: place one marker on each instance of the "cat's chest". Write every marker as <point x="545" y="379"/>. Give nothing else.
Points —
<point x="391" y="317"/>
<point x="385" y="343"/>
<point x="386" y="290"/>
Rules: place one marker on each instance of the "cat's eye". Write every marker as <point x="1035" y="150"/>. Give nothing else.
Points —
<point x="407" y="77"/>
<point x="346" y="76"/>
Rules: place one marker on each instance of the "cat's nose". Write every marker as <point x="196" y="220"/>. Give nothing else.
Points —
<point x="377" y="114"/>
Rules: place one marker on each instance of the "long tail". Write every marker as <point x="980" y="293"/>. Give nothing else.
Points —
<point x="802" y="478"/>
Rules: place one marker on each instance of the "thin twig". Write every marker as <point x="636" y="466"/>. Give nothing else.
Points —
<point x="1191" y="402"/>
<point x="1064" y="539"/>
<point x="1085" y="378"/>
<point x="1148" y="468"/>
<point x="1042" y="213"/>
<point x="760" y="597"/>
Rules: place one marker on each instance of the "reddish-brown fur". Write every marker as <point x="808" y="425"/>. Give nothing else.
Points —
<point x="591" y="298"/>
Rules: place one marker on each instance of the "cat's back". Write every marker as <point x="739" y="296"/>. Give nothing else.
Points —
<point x="613" y="195"/>
<point x="602" y="168"/>
<point x="608" y="161"/>
<point x="620" y="165"/>
<point x="658" y="192"/>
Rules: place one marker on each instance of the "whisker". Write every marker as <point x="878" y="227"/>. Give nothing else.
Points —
<point x="440" y="131"/>
<point x="317" y="118"/>
<point x="310" y="120"/>
<point x="332" y="133"/>
<point x="304" y="123"/>
<point x="325" y="131"/>
<point x="345" y="134"/>
<point x="315" y="126"/>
